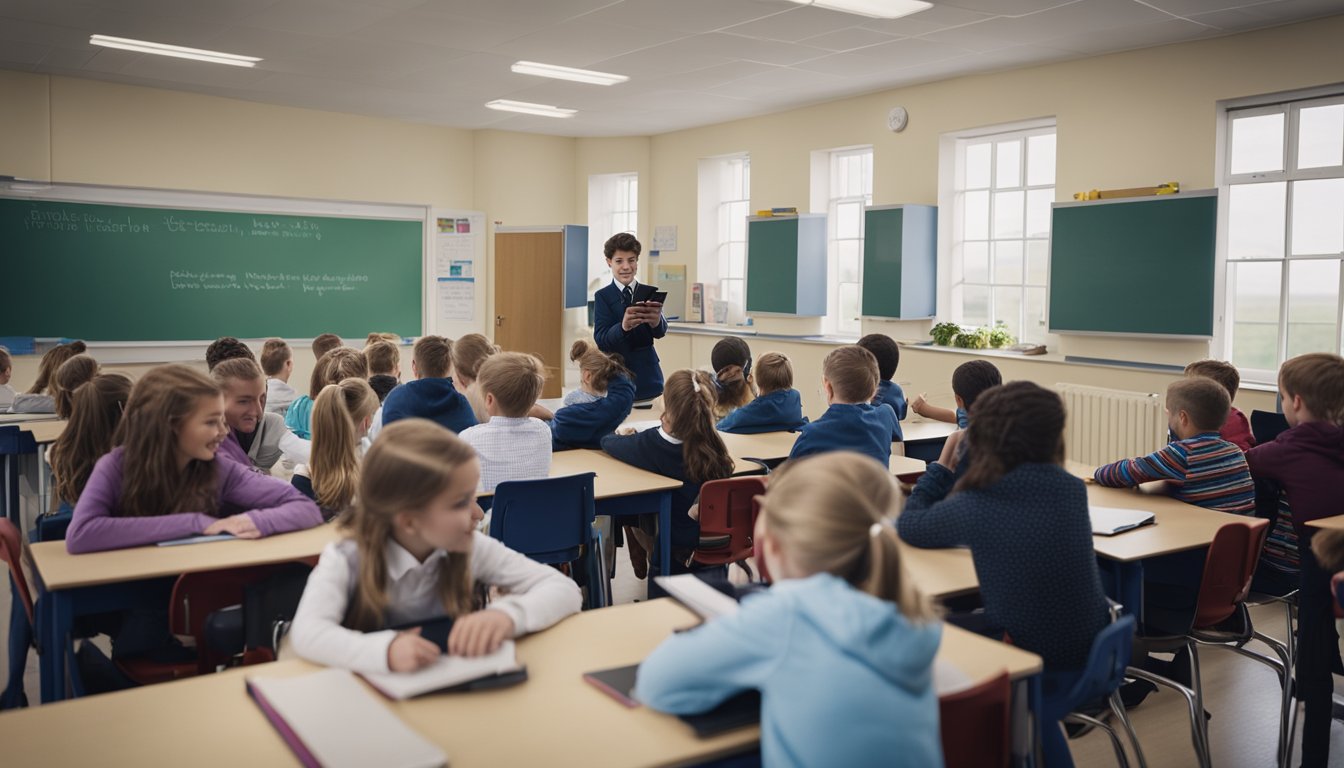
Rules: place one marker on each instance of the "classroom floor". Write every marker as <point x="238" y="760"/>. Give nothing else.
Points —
<point x="1241" y="694"/>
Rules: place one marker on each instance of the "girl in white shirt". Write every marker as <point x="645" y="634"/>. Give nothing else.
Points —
<point x="414" y="555"/>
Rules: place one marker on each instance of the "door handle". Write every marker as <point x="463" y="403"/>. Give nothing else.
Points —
<point x="499" y="320"/>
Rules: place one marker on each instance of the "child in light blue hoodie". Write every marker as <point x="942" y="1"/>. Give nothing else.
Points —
<point x="840" y="636"/>
<point x="779" y="407"/>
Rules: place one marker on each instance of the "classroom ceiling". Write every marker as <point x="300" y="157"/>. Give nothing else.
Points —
<point x="690" y="62"/>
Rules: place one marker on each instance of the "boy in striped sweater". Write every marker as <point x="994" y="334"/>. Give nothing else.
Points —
<point x="1200" y="467"/>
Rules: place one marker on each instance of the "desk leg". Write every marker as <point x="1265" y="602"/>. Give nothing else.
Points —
<point x="43" y="481"/>
<point x="55" y="643"/>
<point x="11" y="462"/>
<point x="1128" y="585"/>
<point x="665" y="533"/>
<point x="1034" y="703"/>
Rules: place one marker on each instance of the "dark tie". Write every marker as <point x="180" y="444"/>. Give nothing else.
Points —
<point x="629" y="294"/>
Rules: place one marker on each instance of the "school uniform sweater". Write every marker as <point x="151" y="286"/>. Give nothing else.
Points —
<point x="634" y="346"/>
<point x="1307" y="464"/>
<point x="436" y="399"/>
<point x="270" y="442"/>
<point x="890" y="392"/>
<point x="860" y="427"/>
<point x="1204" y="469"/>
<point x="826" y="657"/>
<point x="656" y="451"/>
<point x="299" y="417"/>
<point x="278" y="396"/>
<point x="534" y="596"/>
<point x="1030" y="537"/>
<point x="511" y="449"/>
<point x="583" y="423"/>
<point x="1237" y="430"/>
<point x="98" y="523"/>
<point x="778" y="411"/>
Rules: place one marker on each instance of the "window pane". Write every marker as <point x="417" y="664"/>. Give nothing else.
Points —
<point x="1008" y="214"/>
<point x="1318" y="216"/>
<point x="977" y="166"/>
<point x="1255" y="326"/>
<point x="849" y="306"/>
<point x="975" y="305"/>
<point x="1034" y="329"/>
<point x="1038" y="262"/>
<point x="1255" y="214"/>
<point x="737" y="223"/>
<point x="1313" y="306"/>
<point x="1008" y="309"/>
<point x="975" y="219"/>
<point x="737" y="259"/>
<point x="1320" y="136"/>
<point x="975" y="262"/>
<point x="1008" y="262"/>
<point x="732" y="294"/>
<point x="849" y="255"/>
<point x="1041" y="159"/>
<point x="1038" y="211"/>
<point x="1257" y="144"/>
<point x="1008" y="164"/>
<point x="848" y="219"/>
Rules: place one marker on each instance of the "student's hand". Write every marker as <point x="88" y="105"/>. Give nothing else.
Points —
<point x="625" y="431"/>
<point x="917" y="405"/>
<point x="479" y="633"/>
<point x="238" y="525"/>
<point x="409" y="651"/>
<point x="634" y="317"/>
<point x="653" y="313"/>
<point x="948" y="458"/>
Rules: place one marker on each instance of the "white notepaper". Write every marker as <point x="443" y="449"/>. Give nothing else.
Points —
<point x="447" y="672"/>
<point x="1108" y="521"/>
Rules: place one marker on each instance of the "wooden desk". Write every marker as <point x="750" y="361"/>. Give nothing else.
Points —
<point x="551" y="719"/>
<point x="25" y="418"/>
<point x="44" y="432"/>
<point x="775" y="446"/>
<point x="940" y="573"/>
<point x="1334" y="523"/>
<point x="924" y="438"/>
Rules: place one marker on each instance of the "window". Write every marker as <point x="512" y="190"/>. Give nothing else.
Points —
<point x="842" y="182"/>
<point x="1283" y="182"/>
<point x="725" y="203"/>
<point x="1002" y="186"/>
<point x="613" y="206"/>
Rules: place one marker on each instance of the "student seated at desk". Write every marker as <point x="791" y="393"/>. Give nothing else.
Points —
<point x="163" y="481"/>
<point x="6" y="372"/>
<point x="432" y="395"/>
<point x="335" y="366"/>
<point x="73" y="374"/>
<point x="968" y="381"/>
<point x="1237" y="429"/>
<point x="95" y="414"/>
<point x="731" y="361"/>
<point x="341" y="418"/>
<point x="601" y="403"/>
<point x="469" y="353"/>
<point x="38" y="398"/>
<point x="851" y="421"/>
<point x="299" y="414"/>
<point x="888" y="354"/>
<point x="1199" y="466"/>
<point x="511" y="445"/>
<point x="257" y="438"/>
<point x="1026" y="521"/>
<point x="840" y="636"/>
<point x="779" y="407"/>
<point x="413" y="555"/>
<point x="277" y="362"/>
<point x="684" y="447"/>
<point x="384" y="367"/>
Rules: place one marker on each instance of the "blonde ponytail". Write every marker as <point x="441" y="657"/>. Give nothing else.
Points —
<point x="335" y="456"/>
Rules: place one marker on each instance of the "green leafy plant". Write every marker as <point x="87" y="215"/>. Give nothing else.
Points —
<point x="999" y="337"/>
<point x="944" y="333"/>
<point x="972" y="339"/>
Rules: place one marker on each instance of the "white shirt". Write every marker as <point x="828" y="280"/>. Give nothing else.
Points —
<point x="634" y="286"/>
<point x="539" y="596"/>
<point x="578" y="397"/>
<point x="6" y="396"/>
<point x="376" y="424"/>
<point x="278" y="396"/>
<point x="511" y="449"/>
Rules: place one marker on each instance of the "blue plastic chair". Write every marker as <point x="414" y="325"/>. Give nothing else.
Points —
<point x="551" y="521"/>
<point x="1101" y="680"/>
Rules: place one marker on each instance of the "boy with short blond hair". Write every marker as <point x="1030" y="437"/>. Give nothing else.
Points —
<point x="851" y="422"/>
<point x="778" y="407"/>
<point x="277" y="362"/>
<point x="511" y="445"/>
<point x="1236" y="430"/>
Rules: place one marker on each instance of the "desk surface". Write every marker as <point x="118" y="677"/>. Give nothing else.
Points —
<point x="926" y="429"/>
<point x="1179" y="526"/>
<point x="1328" y="523"/>
<point x="44" y="431"/>
<point x="555" y="718"/>
<point x="940" y="573"/>
<point x="8" y="419"/>
<point x="774" y="446"/>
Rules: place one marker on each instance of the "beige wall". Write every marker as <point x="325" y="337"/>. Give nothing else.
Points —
<point x="1126" y="119"/>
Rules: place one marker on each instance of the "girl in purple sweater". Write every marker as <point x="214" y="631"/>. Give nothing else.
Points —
<point x="162" y="481"/>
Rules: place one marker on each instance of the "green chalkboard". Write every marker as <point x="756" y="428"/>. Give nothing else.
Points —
<point x="900" y="261"/>
<point x="1134" y="266"/>
<point x="128" y="273"/>
<point x="786" y="265"/>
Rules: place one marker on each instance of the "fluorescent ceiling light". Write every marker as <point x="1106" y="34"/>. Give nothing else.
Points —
<point x="177" y="51"/>
<point x="528" y="108"/>
<point x="877" y="9"/>
<point x="567" y="73"/>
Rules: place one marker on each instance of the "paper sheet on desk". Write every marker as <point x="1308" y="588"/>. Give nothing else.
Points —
<point x="1108" y="521"/>
<point x="197" y="539"/>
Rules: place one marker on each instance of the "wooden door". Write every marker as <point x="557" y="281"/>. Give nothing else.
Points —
<point x="529" y="312"/>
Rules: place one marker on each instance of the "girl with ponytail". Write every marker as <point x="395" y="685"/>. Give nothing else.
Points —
<point x="731" y="359"/>
<point x="842" y="634"/>
<point x="603" y="400"/>
<point x="341" y="417"/>
<point x="1026" y="521"/>
<point x="685" y="447"/>
<point x="95" y="412"/>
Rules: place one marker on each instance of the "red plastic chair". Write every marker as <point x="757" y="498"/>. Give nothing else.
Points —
<point x="728" y="510"/>
<point x="975" y="725"/>
<point x="20" y="630"/>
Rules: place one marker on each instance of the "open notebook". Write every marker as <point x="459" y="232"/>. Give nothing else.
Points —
<point x="694" y="593"/>
<point x="1108" y="521"/>
<point x="494" y="670"/>
<point x="330" y="720"/>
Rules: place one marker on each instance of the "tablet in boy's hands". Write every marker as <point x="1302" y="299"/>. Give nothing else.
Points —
<point x="659" y="297"/>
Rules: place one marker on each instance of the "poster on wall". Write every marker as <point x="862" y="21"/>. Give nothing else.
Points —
<point x="459" y="238"/>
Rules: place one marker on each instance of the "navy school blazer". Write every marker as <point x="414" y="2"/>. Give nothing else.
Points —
<point x="635" y="346"/>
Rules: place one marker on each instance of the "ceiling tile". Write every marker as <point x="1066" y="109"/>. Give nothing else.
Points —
<point x="794" y="24"/>
<point x="938" y="17"/>
<point x="1005" y="7"/>
<point x="660" y="60"/>
<point x="317" y="17"/>
<point x="172" y="70"/>
<point x="69" y="58"/>
<point x="450" y="30"/>
<point x="748" y="49"/>
<point x="111" y="60"/>
<point x="265" y="43"/>
<point x="708" y="77"/>
<point x="848" y="39"/>
<point x="688" y="15"/>
<point x="581" y="43"/>
<point x="1124" y="38"/>
<point x="527" y="11"/>
<point x="1075" y="18"/>
<point x="23" y="54"/>
<point x="230" y="12"/>
<point x="1192" y="7"/>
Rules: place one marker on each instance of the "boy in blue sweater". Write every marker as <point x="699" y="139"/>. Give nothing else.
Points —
<point x="603" y="400"/>
<point x="432" y="395"/>
<point x="888" y="355"/>
<point x="779" y="407"/>
<point x="851" y="422"/>
<point x="968" y="381"/>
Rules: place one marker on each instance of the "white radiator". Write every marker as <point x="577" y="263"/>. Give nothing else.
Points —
<point x="1106" y="425"/>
